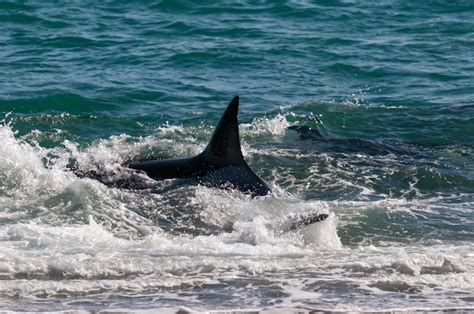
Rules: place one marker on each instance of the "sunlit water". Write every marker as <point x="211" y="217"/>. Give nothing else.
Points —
<point x="386" y="89"/>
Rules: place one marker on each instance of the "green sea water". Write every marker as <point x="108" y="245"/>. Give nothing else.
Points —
<point x="386" y="88"/>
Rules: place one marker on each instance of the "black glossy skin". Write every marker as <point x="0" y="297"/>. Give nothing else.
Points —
<point x="220" y="165"/>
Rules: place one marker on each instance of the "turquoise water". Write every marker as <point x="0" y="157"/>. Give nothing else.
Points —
<point x="388" y="86"/>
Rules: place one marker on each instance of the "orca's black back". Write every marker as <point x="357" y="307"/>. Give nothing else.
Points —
<point x="221" y="164"/>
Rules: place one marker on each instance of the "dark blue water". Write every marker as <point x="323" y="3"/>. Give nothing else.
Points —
<point x="380" y="98"/>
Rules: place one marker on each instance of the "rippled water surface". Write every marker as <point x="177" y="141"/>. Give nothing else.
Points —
<point x="363" y="111"/>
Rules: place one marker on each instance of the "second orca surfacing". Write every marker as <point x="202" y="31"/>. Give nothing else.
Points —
<point x="220" y="165"/>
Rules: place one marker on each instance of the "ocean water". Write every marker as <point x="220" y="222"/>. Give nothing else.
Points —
<point x="385" y="86"/>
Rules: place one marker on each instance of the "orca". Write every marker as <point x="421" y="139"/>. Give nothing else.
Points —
<point x="352" y="145"/>
<point x="220" y="165"/>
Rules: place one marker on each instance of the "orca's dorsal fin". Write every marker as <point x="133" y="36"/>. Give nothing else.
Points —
<point x="225" y="142"/>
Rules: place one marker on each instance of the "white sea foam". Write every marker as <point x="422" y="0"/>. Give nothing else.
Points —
<point x="275" y="126"/>
<point x="73" y="237"/>
<point x="89" y="260"/>
<point x="22" y="168"/>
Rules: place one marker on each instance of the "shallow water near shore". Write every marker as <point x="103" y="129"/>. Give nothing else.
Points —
<point x="362" y="112"/>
